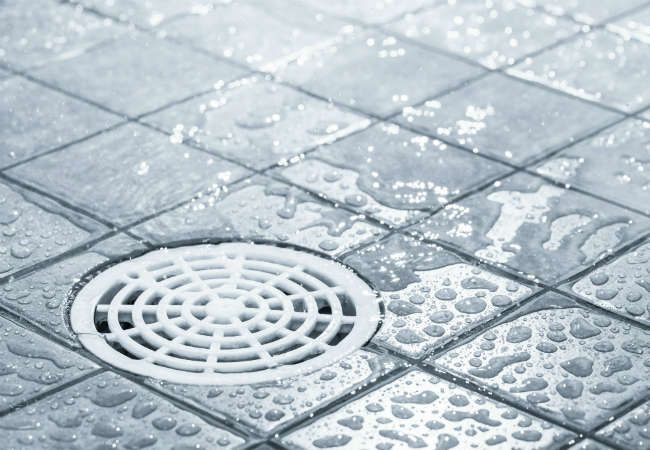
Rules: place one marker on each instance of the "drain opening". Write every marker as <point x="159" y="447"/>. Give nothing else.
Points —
<point x="233" y="313"/>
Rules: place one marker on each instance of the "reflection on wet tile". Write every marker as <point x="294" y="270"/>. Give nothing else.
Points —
<point x="480" y="117"/>
<point x="635" y="25"/>
<point x="263" y="34"/>
<point x="421" y="411"/>
<point x="31" y="365"/>
<point x="431" y="296"/>
<point x="369" y="11"/>
<point x="138" y="73"/>
<point x="559" y="358"/>
<point x="493" y="33"/>
<point x="267" y="406"/>
<point x="376" y="73"/>
<point x="535" y="227"/>
<point x="615" y="165"/>
<point x="585" y="11"/>
<point x="631" y="430"/>
<point x="140" y="173"/>
<point x="622" y="286"/>
<point x="39" y="119"/>
<point x="38" y="32"/>
<point x="149" y="13"/>
<point x="600" y="66"/>
<point x="108" y="411"/>
<point x="589" y="444"/>
<point x="261" y="209"/>
<point x="257" y="122"/>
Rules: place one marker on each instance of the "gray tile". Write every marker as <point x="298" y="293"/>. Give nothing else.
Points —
<point x="31" y="365"/>
<point x="264" y="34"/>
<point x="376" y="73"/>
<point x="589" y="444"/>
<point x="148" y="14"/>
<point x="560" y="359"/>
<point x="615" y="165"/>
<point x="421" y="411"/>
<point x="369" y="11"/>
<point x="267" y="406"/>
<point x="108" y="411"/>
<point x="536" y="228"/>
<point x="36" y="119"/>
<point x="611" y="69"/>
<point x="41" y="297"/>
<point x="635" y="25"/>
<point x="33" y="228"/>
<point x="631" y="430"/>
<point x="139" y="173"/>
<point x="38" y="32"/>
<point x="621" y="286"/>
<point x="261" y="209"/>
<point x="257" y="122"/>
<point x="391" y="174"/>
<point x="494" y="33"/>
<point x="586" y="11"/>
<point x="480" y="117"/>
<point x="431" y="296"/>
<point x="137" y="74"/>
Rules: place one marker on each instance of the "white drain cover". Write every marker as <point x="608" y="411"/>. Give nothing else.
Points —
<point x="232" y="313"/>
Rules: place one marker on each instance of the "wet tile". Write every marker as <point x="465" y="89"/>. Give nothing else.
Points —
<point x="369" y="72"/>
<point x="41" y="297"/>
<point x="137" y="74"/>
<point x="391" y="174"/>
<point x="480" y="117"/>
<point x="631" y="430"/>
<point x="37" y="119"/>
<point x="260" y="209"/>
<point x="369" y="11"/>
<point x="38" y="32"/>
<point x="589" y="444"/>
<point x="31" y="365"/>
<point x="585" y="11"/>
<point x="264" y="34"/>
<point x="615" y="165"/>
<point x="108" y="411"/>
<point x="622" y="286"/>
<point x="421" y="411"/>
<point x="559" y="358"/>
<point x="493" y="33"/>
<point x="257" y="122"/>
<point x="600" y="66"/>
<point x="33" y="228"/>
<point x="635" y="25"/>
<point x="140" y="173"/>
<point x="149" y="13"/>
<point x="535" y="228"/>
<point x="270" y="405"/>
<point x="431" y="295"/>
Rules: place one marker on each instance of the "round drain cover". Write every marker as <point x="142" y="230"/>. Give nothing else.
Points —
<point x="232" y="313"/>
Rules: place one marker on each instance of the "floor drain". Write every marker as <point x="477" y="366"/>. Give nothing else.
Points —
<point x="231" y="313"/>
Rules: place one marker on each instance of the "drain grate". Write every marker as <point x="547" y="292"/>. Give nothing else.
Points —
<point x="233" y="313"/>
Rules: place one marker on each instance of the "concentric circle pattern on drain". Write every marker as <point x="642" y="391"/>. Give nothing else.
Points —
<point x="232" y="313"/>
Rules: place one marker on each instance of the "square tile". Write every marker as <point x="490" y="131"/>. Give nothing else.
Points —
<point x="369" y="11"/>
<point x="37" y="119"/>
<point x="621" y="286"/>
<point x="107" y="411"/>
<point x="586" y="11"/>
<point x="268" y="406"/>
<point x="33" y="228"/>
<point x="431" y="295"/>
<point x="535" y="228"/>
<point x="31" y="365"/>
<point x="376" y="73"/>
<point x="614" y="165"/>
<point x="149" y="13"/>
<point x="261" y="209"/>
<point x="636" y="25"/>
<point x="264" y="34"/>
<point x="257" y="122"/>
<point x="390" y="173"/>
<point x="38" y="32"/>
<point x="480" y="117"/>
<point x="560" y="359"/>
<point x="419" y="410"/>
<point x="611" y="69"/>
<point x="137" y="74"/>
<point x="631" y="430"/>
<point x="493" y="33"/>
<point x="589" y="444"/>
<point x="139" y="173"/>
<point x="41" y="297"/>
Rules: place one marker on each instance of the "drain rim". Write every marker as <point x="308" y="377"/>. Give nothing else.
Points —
<point x="366" y="301"/>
